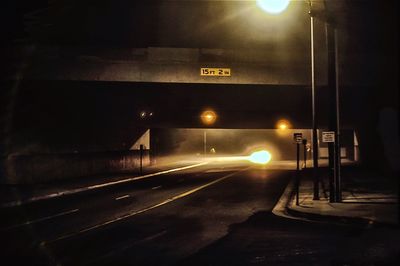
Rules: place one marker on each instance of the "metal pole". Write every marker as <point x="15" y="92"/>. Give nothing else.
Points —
<point x="297" y="173"/>
<point x="332" y="184"/>
<point x="334" y="148"/>
<point x="338" y="192"/>
<point x="314" y="122"/>
<point x="205" y="143"/>
<point x="305" y="153"/>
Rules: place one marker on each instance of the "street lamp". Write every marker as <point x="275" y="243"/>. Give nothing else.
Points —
<point x="283" y="124"/>
<point x="278" y="6"/>
<point x="314" y="120"/>
<point x="273" y="6"/>
<point x="208" y="118"/>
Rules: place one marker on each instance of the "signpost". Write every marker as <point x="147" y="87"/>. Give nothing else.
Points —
<point x="298" y="139"/>
<point x="329" y="137"/>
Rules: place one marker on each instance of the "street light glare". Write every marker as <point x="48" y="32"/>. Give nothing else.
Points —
<point x="283" y="126"/>
<point x="273" y="6"/>
<point x="208" y="117"/>
<point x="260" y="157"/>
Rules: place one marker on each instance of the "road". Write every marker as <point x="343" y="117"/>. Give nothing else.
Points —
<point x="190" y="217"/>
<point x="195" y="206"/>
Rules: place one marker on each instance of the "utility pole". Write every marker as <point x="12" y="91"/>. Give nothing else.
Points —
<point x="333" y="86"/>
<point x="314" y="116"/>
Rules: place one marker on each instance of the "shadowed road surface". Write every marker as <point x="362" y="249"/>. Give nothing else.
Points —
<point x="216" y="214"/>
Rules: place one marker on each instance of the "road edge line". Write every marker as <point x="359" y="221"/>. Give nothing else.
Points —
<point x="92" y="187"/>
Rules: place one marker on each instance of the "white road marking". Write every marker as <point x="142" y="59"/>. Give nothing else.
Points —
<point x="77" y="190"/>
<point x="182" y="195"/>
<point x="122" y="197"/>
<point x="215" y="171"/>
<point x="42" y="219"/>
<point x="154" y="188"/>
<point x="154" y="236"/>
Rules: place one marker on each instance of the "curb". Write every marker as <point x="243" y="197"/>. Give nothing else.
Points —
<point x="281" y="206"/>
<point x="360" y="221"/>
<point x="282" y="209"/>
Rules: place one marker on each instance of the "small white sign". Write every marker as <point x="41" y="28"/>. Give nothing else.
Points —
<point x="328" y="136"/>
<point x="298" y="137"/>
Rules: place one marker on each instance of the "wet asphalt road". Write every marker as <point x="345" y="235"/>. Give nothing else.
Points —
<point x="215" y="214"/>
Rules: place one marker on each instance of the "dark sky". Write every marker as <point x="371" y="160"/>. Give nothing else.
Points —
<point x="191" y="23"/>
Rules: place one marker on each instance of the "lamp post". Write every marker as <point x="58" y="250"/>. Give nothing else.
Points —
<point x="335" y="194"/>
<point x="275" y="7"/>
<point x="208" y="118"/>
<point x="314" y="119"/>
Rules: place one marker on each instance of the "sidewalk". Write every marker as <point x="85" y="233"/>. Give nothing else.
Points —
<point x="16" y="195"/>
<point x="366" y="198"/>
<point x="317" y="232"/>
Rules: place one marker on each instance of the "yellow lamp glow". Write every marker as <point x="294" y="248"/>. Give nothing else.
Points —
<point x="283" y="124"/>
<point x="260" y="157"/>
<point x="273" y="6"/>
<point x="208" y="117"/>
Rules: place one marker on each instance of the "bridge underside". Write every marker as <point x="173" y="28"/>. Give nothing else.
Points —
<point x="96" y="116"/>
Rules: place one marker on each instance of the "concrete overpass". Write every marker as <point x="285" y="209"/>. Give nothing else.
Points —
<point x="81" y="100"/>
<point x="72" y="90"/>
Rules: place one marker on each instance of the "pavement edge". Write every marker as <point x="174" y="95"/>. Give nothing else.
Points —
<point x="282" y="209"/>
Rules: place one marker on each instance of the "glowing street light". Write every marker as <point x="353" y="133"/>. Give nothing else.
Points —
<point x="282" y="128"/>
<point x="283" y="124"/>
<point x="208" y="118"/>
<point x="260" y="157"/>
<point x="273" y="6"/>
<point x="145" y="114"/>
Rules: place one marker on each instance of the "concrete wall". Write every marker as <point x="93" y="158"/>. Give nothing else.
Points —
<point x="182" y="65"/>
<point x="41" y="168"/>
<point x="172" y="65"/>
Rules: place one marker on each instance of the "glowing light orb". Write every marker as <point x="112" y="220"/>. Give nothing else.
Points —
<point x="208" y="117"/>
<point x="273" y="6"/>
<point x="283" y="124"/>
<point x="260" y="157"/>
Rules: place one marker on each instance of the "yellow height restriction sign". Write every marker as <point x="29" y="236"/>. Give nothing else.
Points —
<point x="215" y="72"/>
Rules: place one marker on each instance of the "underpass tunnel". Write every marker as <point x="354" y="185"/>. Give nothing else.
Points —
<point x="217" y="142"/>
<point x="194" y="142"/>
